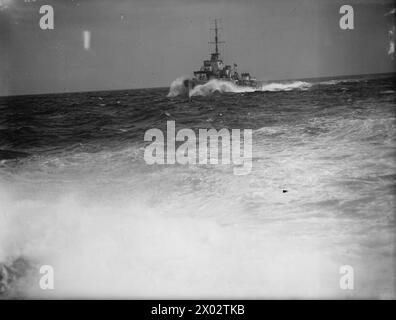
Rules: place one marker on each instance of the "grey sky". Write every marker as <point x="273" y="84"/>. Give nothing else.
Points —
<point x="149" y="43"/>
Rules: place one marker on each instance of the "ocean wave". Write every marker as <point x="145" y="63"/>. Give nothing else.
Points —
<point x="270" y="131"/>
<point x="155" y="249"/>
<point x="340" y="81"/>
<point x="177" y="87"/>
<point x="84" y="201"/>
<point x="387" y="92"/>
<point x="286" y="86"/>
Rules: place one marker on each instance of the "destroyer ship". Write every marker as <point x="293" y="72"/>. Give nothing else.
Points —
<point x="216" y="69"/>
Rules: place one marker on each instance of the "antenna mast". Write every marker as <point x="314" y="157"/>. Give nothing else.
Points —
<point x="216" y="38"/>
<point x="217" y="42"/>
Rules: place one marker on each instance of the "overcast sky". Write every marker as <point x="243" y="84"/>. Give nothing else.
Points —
<point x="149" y="43"/>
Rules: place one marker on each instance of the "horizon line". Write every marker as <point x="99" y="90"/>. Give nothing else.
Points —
<point x="140" y="88"/>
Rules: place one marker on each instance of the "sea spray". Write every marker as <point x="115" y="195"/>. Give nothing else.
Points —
<point x="133" y="249"/>
<point x="178" y="88"/>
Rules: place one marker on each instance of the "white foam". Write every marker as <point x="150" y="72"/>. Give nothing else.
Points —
<point x="177" y="87"/>
<point x="131" y="249"/>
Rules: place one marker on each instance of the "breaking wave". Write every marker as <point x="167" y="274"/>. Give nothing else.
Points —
<point x="139" y="246"/>
<point x="177" y="87"/>
<point x="339" y="81"/>
<point x="287" y="86"/>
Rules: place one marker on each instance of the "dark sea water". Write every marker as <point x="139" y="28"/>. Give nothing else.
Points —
<point x="76" y="193"/>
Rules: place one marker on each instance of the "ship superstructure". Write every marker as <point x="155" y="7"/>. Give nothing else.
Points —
<point x="216" y="69"/>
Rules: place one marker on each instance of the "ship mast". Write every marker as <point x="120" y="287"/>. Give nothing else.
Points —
<point x="216" y="42"/>
<point x="216" y="37"/>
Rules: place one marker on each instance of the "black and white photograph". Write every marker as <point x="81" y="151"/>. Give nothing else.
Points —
<point x="197" y="149"/>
